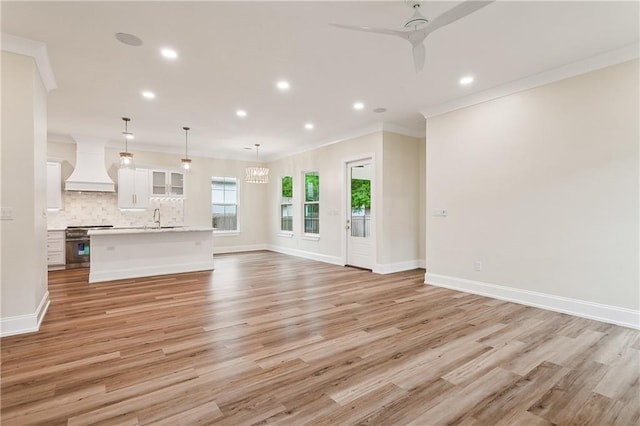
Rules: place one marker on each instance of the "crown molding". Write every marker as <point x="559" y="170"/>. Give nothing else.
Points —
<point x="38" y="51"/>
<point x="584" y="66"/>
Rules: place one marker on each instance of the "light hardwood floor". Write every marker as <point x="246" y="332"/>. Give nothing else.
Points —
<point x="268" y="338"/>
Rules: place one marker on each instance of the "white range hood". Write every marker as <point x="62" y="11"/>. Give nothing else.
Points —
<point x="90" y="173"/>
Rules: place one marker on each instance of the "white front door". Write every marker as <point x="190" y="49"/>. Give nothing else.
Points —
<point x="359" y="221"/>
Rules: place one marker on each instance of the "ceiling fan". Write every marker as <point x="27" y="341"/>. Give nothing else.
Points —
<point x="417" y="28"/>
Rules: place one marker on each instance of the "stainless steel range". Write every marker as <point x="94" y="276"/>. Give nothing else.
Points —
<point x="77" y="245"/>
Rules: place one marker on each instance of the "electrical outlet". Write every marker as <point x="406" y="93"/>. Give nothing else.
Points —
<point x="477" y="265"/>
<point x="6" y="213"/>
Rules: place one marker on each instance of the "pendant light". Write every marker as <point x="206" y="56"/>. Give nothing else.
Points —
<point x="186" y="161"/>
<point x="257" y="174"/>
<point x="126" y="158"/>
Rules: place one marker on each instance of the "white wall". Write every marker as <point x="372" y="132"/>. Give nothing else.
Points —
<point x="541" y="187"/>
<point x="23" y="286"/>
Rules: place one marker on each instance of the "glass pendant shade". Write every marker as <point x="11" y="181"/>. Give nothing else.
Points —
<point x="257" y="174"/>
<point x="126" y="158"/>
<point x="186" y="161"/>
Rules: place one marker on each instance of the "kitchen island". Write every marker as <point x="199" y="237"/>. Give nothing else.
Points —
<point x="143" y="252"/>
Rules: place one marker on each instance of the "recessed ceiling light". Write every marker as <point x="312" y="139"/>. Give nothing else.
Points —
<point x="147" y="94"/>
<point x="283" y="85"/>
<point x="380" y="110"/>
<point x="467" y="79"/>
<point x="358" y="106"/>
<point x="308" y="126"/>
<point x="241" y="113"/>
<point x="169" y="53"/>
<point x="129" y="39"/>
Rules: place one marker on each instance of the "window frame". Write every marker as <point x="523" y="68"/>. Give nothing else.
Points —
<point x="225" y="179"/>
<point x="305" y="203"/>
<point x="283" y="203"/>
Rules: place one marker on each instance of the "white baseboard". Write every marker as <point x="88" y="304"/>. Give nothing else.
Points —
<point x="390" y="268"/>
<point x="335" y="260"/>
<point x="28" y="323"/>
<point x="239" y="249"/>
<point x="148" y="271"/>
<point x="595" y="311"/>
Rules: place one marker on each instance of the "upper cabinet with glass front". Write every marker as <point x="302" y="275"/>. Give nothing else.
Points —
<point x="165" y="183"/>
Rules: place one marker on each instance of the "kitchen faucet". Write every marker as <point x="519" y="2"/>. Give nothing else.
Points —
<point x="156" y="221"/>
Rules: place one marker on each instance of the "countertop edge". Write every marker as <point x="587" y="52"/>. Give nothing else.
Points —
<point x="98" y="232"/>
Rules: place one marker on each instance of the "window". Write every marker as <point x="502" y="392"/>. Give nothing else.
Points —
<point x="224" y="203"/>
<point x="286" y="206"/>
<point x="311" y="203"/>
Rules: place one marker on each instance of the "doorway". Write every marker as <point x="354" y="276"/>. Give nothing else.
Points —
<point x="360" y="222"/>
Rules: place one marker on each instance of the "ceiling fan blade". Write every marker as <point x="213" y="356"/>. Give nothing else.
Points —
<point x="418" y="56"/>
<point x="455" y="13"/>
<point x="372" y="30"/>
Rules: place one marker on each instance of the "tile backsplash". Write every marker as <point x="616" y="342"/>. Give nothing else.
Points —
<point x="101" y="208"/>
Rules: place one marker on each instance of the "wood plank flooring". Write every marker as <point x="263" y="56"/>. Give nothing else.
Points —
<point x="268" y="338"/>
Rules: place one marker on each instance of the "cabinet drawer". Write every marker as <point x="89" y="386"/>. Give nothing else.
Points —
<point x="55" y="245"/>
<point x="55" y="258"/>
<point x="55" y="235"/>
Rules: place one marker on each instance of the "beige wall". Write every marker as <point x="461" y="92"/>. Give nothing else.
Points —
<point x="397" y="212"/>
<point x="24" y="270"/>
<point x="422" y="190"/>
<point x="400" y="240"/>
<point x="542" y="188"/>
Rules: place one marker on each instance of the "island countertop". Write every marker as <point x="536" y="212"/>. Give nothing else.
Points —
<point x="148" y="229"/>
<point x="137" y="252"/>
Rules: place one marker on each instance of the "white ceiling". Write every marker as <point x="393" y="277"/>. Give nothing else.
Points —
<point x="232" y="53"/>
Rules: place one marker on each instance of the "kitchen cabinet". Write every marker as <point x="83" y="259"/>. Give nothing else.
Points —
<point x="166" y="183"/>
<point x="133" y="189"/>
<point x="55" y="249"/>
<point x="54" y="186"/>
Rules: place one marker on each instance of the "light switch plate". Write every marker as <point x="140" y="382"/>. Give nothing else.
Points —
<point x="6" y="213"/>
<point x="439" y="212"/>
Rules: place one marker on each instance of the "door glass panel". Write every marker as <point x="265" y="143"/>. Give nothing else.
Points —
<point x="361" y="201"/>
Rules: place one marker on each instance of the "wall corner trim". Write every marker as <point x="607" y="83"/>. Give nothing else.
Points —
<point x="29" y="323"/>
<point x="38" y="51"/>
<point x="580" y="308"/>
